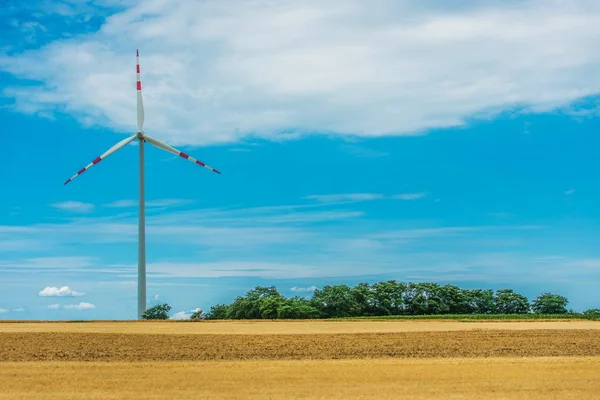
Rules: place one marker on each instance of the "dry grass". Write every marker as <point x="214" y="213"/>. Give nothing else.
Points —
<point x="289" y="327"/>
<point x="301" y="359"/>
<point x="165" y="347"/>
<point x="505" y="378"/>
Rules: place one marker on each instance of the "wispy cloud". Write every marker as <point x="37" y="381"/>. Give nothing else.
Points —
<point x="354" y="71"/>
<point x="304" y="289"/>
<point x="334" y="198"/>
<point x="327" y="238"/>
<point x="410" y="196"/>
<point x="489" y="267"/>
<point x="74" y="206"/>
<point x="21" y="244"/>
<point x="3" y="310"/>
<point x="586" y="263"/>
<point x="150" y="203"/>
<point x="122" y="204"/>
<point x="269" y="269"/>
<point x="49" y="262"/>
<point x="570" y="192"/>
<point x="63" y="291"/>
<point x="356" y="197"/>
<point x="438" y="231"/>
<point x="80" y="306"/>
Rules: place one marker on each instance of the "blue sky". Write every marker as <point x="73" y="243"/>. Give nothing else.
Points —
<point x="414" y="141"/>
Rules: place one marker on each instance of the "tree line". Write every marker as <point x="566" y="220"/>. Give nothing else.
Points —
<point x="388" y="298"/>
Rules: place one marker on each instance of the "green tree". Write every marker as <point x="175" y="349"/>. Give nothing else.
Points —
<point x="425" y="299"/>
<point x="364" y="298"/>
<point x="297" y="308"/>
<point x="480" y="301"/>
<point x="159" y="311"/>
<point x="260" y="302"/>
<point x="383" y="298"/>
<point x="388" y="297"/>
<point x="549" y="303"/>
<point x="269" y="305"/>
<point x="592" y="313"/>
<point x="219" y="311"/>
<point x="507" y="301"/>
<point x="198" y="314"/>
<point x="335" y="301"/>
<point x="453" y="300"/>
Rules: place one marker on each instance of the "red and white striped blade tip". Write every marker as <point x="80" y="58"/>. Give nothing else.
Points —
<point x="179" y="153"/>
<point x="107" y="153"/>
<point x="195" y="161"/>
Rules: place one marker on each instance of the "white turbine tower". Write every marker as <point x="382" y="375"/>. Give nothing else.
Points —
<point x="142" y="137"/>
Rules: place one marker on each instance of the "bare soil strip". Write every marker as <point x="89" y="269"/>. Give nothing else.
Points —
<point x="163" y="347"/>
<point x="290" y="327"/>
<point x="486" y="379"/>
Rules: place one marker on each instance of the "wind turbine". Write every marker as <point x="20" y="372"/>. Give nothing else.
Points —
<point x="142" y="137"/>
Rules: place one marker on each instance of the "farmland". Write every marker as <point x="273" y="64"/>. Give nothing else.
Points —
<point x="302" y="359"/>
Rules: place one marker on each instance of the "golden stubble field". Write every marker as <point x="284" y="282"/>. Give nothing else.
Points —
<point x="308" y="359"/>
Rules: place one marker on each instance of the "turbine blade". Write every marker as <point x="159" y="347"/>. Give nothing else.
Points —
<point x="116" y="147"/>
<point x="140" y="103"/>
<point x="173" y="150"/>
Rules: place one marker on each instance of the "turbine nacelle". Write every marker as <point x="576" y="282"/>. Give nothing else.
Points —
<point x="140" y="134"/>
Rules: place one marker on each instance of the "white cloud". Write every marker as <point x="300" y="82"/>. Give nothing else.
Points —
<point x="217" y="71"/>
<point x="270" y="241"/>
<point x="410" y="196"/>
<point x="272" y="269"/>
<point x="80" y="306"/>
<point x="340" y="197"/>
<point x="588" y="264"/>
<point x="21" y="244"/>
<point x="169" y="202"/>
<point x="74" y="206"/>
<point x="183" y="315"/>
<point x="570" y="192"/>
<point x="54" y="306"/>
<point x="247" y="230"/>
<point x="19" y="309"/>
<point x="50" y="262"/>
<point x="354" y="197"/>
<point x="64" y="291"/>
<point x="150" y="203"/>
<point x="304" y="289"/>
<point x="122" y="204"/>
<point x="3" y="310"/>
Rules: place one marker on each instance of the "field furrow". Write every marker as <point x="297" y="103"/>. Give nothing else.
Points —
<point x="66" y="346"/>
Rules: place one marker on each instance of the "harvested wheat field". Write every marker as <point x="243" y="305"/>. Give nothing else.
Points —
<point x="498" y="378"/>
<point x="292" y="327"/>
<point x="162" y="347"/>
<point x="309" y="359"/>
